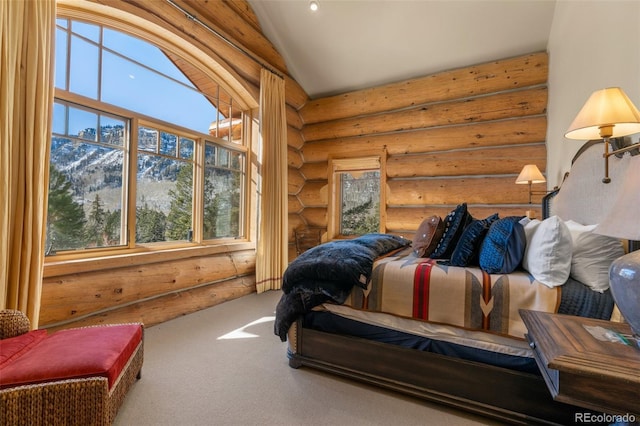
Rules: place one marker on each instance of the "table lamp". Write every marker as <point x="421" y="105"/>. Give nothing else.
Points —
<point x="529" y="174"/>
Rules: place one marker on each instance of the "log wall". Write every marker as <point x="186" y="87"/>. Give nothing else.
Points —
<point x="148" y="288"/>
<point x="452" y="137"/>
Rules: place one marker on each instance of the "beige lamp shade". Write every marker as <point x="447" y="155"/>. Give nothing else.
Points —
<point x="607" y="113"/>
<point x="623" y="219"/>
<point x="530" y="174"/>
<point x="622" y="222"/>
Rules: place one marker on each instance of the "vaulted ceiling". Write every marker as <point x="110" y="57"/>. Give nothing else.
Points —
<point x="354" y="44"/>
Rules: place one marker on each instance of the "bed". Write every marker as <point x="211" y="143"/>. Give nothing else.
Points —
<point x="375" y="309"/>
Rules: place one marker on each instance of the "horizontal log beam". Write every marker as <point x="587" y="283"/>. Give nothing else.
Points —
<point x="71" y="296"/>
<point x="496" y="133"/>
<point x="244" y="10"/>
<point x="295" y="181"/>
<point x="452" y="191"/>
<point x="499" y="106"/>
<point x="293" y="204"/>
<point x="138" y="257"/>
<point x="497" y="76"/>
<point x="294" y="158"/>
<point x="315" y="217"/>
<point x="294" y="138"/>
<point x="293" y="118"/>
<point x="490" y="161"/>
<point x="314" y="194"/>
<point x="315" y="171"/>
<point x="164" y="308"/>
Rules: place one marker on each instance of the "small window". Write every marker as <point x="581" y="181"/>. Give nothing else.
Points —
<point x="356" y="187"/>
<point x="164" y="186"/>
<point x="223" y="192"/>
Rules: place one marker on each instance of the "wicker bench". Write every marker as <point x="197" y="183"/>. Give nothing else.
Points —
<point x="70" y="377"/>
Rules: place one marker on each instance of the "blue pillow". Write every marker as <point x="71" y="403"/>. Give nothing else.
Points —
<point x="467" y="251"/>
<point x="454" y="224"/>
<point x="503" y="247"/>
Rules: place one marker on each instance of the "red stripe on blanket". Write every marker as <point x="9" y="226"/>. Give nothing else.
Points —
<point x="421" y="280"/>
<point x="486" y="297"/>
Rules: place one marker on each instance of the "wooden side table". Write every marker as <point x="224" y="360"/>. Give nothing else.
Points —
<point x="582" y="370"/>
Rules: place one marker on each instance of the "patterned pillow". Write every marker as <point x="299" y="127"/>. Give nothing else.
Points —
<point x="467" y="251"/>
<point x="427" y="236"/>
<point x="454" y="224"/>
<point x="503" y="247"/>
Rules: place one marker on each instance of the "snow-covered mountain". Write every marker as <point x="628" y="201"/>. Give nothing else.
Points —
<point x="97" y="167"/>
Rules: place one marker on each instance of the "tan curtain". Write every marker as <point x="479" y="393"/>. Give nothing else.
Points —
<point x="26" y="96"/>
<point x="271" y="258"/>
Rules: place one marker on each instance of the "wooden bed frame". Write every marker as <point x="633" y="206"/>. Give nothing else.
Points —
<point x="499" y="393"/>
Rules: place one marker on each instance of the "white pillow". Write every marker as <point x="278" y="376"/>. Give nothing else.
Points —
<point x="548" y="253"/>
<point x="592" y="255"/>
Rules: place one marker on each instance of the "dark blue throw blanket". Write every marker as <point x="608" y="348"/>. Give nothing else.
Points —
<point x="328" y="272"/>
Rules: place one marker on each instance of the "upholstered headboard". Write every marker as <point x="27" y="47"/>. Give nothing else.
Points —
<point x="583" y="197"/>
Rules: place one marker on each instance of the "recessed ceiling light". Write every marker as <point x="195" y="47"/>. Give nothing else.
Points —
<point x="313" y="5"/>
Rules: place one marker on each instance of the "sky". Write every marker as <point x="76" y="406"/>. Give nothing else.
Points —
<point x="127" y="81"/>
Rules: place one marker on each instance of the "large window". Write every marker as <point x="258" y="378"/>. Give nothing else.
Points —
<point x="139" y="154"/>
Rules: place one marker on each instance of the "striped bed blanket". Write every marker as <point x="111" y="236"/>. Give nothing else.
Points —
<point x="420" y="288"/>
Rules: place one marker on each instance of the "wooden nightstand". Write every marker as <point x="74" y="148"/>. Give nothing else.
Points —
<point x="582" y="370"/>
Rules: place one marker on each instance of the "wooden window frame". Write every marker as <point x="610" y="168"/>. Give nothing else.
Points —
<point x="353" y="164"/>
<point x="199" y="246"/>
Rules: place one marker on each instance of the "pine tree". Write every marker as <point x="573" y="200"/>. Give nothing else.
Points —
<point x="95" y="226"/>
<point x="221" y="204"/>
<point x="150" y="224"/>
<point x="179" y="219"/>
<point x="112" y="227"/>
<point x="65" y="217"/>
<point x="361" y="219"/>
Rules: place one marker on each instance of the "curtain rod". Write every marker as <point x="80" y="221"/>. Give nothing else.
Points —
<point x="225" y="39"/>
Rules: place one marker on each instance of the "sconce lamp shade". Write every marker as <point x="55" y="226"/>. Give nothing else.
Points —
<point x="530" y="174"/>
<point x="622" y="222"/>
<point x="607" y="113"/>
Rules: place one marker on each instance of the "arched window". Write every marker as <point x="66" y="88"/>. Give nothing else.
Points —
<point x="145" y="148"/>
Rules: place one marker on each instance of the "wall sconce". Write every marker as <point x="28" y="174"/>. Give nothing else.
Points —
<point x="530" y="174"/>
<point x="314" y="5"/>
<point x="607" y="113"/>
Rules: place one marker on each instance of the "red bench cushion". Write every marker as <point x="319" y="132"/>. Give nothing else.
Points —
<point x="13" y="347"/>
<point x="75" y="353"/>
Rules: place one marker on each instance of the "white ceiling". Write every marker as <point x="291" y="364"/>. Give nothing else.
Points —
<point x="354" y="44"/>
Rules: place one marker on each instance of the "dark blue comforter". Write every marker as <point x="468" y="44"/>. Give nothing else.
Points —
<point x="328" y="272"/>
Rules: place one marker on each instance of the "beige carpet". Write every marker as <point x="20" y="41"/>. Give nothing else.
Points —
<point x="224" y="366"/>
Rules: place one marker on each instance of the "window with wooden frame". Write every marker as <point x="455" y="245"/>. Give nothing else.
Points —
<point x="357" y="194"/>
<point x="139" y="154"/>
